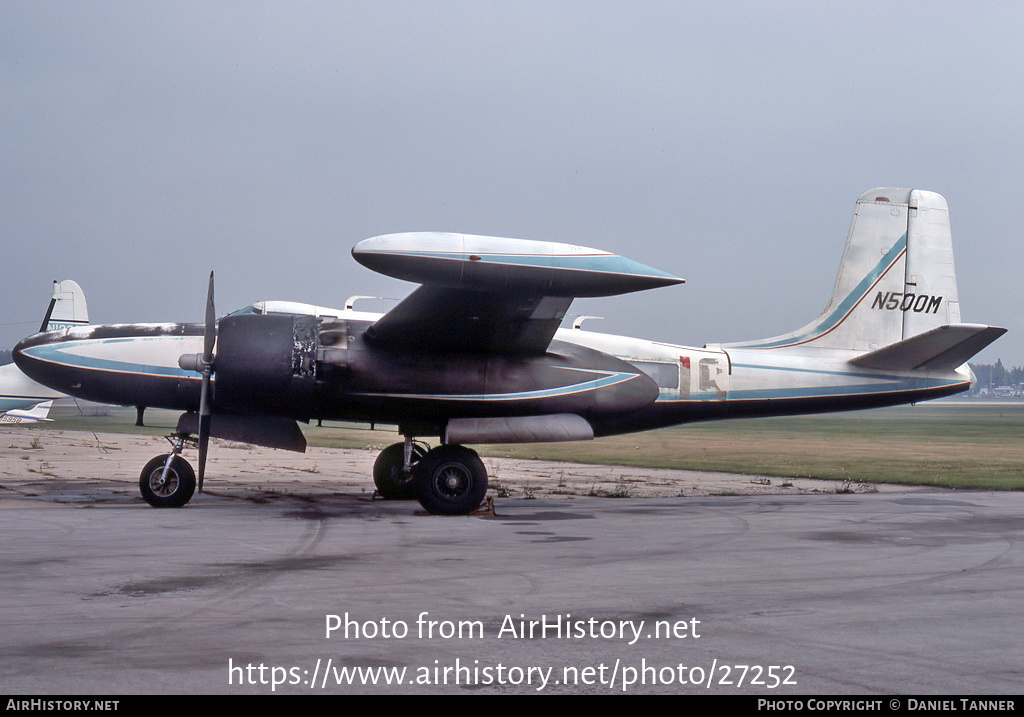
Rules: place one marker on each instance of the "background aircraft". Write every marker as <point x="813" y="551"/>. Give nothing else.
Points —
<point x="37" y="414"/>
<point x="22" y="400"/>
<point x="475" y="355"/>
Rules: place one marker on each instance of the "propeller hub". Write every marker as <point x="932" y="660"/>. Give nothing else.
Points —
<point x="195" y="362"/>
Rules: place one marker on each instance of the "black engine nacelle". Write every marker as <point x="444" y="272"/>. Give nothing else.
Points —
<point x="266" y="364"/>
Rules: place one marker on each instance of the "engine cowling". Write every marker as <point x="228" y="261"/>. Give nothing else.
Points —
<point x="266" y="364"/>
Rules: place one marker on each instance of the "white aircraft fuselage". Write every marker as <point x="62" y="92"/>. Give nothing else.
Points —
<point x="19" y="392"/>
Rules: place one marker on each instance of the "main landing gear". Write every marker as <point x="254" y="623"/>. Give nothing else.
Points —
<point x="393" y="470"/>
<point x="447" y="480"/>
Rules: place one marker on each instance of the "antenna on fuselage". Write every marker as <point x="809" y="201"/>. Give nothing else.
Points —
<point x="578" y="321"/>
<point x="350" y="301"/>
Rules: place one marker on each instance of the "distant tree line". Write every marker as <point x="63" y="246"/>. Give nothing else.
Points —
<point x="992" y="375"/>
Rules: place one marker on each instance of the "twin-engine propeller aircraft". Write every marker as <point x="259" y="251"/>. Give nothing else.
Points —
<point x="475" y="355"/>
<point x="22" y="400"/>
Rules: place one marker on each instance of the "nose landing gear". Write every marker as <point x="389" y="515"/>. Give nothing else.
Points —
<point x="168" y="481"/>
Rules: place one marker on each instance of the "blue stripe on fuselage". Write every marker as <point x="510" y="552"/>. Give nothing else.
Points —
<point x="62" y="354"/>
<point x="609" y="378"/>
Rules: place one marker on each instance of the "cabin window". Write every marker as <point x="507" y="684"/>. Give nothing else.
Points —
<point x="666" y="375"/>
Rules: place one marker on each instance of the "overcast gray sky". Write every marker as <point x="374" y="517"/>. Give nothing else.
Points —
<point x="143" y="145"/>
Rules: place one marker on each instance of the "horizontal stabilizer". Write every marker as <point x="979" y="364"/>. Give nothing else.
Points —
<point x="942" y="348"/>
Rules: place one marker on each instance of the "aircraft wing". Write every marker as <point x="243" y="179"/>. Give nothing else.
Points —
<point x="488" y="294"/>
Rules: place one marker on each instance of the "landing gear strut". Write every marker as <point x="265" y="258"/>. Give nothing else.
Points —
<point x="393" y="470"/>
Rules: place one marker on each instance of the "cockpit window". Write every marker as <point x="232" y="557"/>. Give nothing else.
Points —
<point x="245" y="311"/>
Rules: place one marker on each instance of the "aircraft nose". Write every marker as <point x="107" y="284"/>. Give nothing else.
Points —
<point x="121" y="364"/>
<point x="18" y="352"/>
<point x="28" y="356"/>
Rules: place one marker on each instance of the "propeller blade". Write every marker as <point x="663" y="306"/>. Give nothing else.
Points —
<point x="204" y="432"/>
<point x="209" y="340"/>
<point x="210" y="336"/>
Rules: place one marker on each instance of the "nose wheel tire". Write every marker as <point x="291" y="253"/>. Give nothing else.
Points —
<point x="450" y="480"/>
<point x="173" y="492"/>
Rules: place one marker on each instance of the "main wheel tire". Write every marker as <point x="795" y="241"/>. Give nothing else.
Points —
<point x="391" y="481"/>
<point x="176" y="491"/>
<point x="450" y="480"/>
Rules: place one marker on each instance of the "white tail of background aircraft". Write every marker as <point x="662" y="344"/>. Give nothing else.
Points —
<point x="36" y="414"/>
<point x="22" y="400"/>
<point x="67" y="307"/>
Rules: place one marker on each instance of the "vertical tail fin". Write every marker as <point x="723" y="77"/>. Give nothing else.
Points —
<point x="67" y="308"/>
<point x="896" y="279"/>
